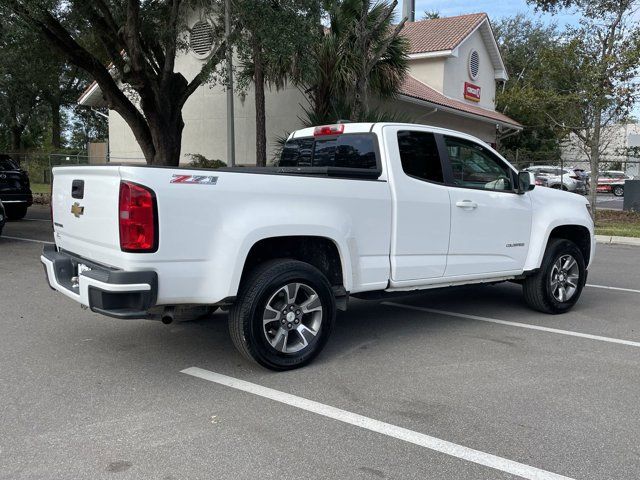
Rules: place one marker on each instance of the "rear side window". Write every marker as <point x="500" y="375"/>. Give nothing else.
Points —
<point x="356" y="150"/>
<point x="419" y="155"/>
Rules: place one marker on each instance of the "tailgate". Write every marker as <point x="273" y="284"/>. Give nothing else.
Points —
<point x="85" y="211"/>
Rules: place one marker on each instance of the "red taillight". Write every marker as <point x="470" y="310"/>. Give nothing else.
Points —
<point x="328" y="130"/>
<point x="137" y="218"/>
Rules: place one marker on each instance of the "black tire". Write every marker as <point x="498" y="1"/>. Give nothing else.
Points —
<point x="15" y="212"/>
<point x="618" y="191"/>
<point x="246" y="315"/>
<point x="537" y="288"/>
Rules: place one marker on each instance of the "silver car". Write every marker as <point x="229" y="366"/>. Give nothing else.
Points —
<point x="560" y="178"/>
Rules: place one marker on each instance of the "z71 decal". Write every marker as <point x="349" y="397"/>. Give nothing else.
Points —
<point x="194" y="179"/>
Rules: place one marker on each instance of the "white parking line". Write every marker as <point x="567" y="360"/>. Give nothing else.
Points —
<point x="613" y="288"/>
<point x="517" y="324"/>
<point x="410" y="436"/>
<point x="26" y="240"/>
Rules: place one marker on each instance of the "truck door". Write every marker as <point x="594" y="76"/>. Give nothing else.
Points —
<point x="490" y="222"/>
<point x="421" y="205"/>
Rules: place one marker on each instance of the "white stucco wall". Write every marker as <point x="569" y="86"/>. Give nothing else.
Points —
<point x="429" y="71"/>
<point x="456" y="71"/>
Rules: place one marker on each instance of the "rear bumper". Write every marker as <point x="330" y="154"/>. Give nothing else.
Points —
<point x="25" y="198"/>
<point x="111" y="292"/>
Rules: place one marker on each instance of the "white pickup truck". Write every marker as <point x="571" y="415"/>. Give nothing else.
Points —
<point x="349" y="209"/>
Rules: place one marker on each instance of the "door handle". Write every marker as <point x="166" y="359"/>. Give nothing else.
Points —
<point x="468" y="204"/>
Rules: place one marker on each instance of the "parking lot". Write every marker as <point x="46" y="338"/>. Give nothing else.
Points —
<point x="610" y="201"/>
<point x="459" y="384"/>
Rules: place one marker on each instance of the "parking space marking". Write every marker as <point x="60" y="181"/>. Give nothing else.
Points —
<point x="517" y="324"/>
<point x="410" y="436"/>
<point x="613" y="288"/>
<point x="26" y="239"/>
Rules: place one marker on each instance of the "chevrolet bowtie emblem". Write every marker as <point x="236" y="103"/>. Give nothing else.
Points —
<point x="77" y="210"/>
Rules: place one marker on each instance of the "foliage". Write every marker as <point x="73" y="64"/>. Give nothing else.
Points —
<point x="140" y="40"/>
<point x="538" y="86"/>
<point x="274" y="36"/>
<point x="622" y="224"/>
<point x="87" y="126"/>
<point x="36" y="86"/>
<point x="359" y="54"/>
<point x="430" y="15"/>
<point x="200" y="161"/>
<point x="603" y="70"/>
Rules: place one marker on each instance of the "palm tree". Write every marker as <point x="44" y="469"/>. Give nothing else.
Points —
<point x="360" y="53"/>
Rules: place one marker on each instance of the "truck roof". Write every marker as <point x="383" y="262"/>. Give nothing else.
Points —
<point x="364" y="127"/>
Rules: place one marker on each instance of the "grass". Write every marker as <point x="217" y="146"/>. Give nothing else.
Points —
<point x="40" y="188"/>
<point x="616" y="223"/>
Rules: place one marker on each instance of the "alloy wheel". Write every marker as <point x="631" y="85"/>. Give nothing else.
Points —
<point x="564" y="278"/>
<point x="292" y="317"/>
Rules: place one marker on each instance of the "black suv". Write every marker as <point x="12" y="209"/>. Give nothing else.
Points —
<point x="3" y="218"/>
<point x="15" y="190"/>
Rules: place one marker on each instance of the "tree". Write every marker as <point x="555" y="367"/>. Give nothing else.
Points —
<point x="539" y="85"/>
<point x="359" y="54"/>
<point x="274" y="34"/>
<point x="21" y="85"/>
<point x="608" y="51"/>
<point x="430" y="15"/>
<point x="87" y="126"/>
<point x="140" y="39"/>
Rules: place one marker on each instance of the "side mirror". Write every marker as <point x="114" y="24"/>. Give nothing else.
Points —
<point x="526" y="182"/>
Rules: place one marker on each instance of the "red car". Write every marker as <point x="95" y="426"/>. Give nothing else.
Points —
<point x="612" y="181"/>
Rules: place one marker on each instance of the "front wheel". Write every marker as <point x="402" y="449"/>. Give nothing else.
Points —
<point x="283" y="315"/>
<point x="557" y="286"/>
<point x="618" y="191"/>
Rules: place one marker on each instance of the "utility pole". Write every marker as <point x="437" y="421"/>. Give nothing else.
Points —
<point x="231" y="135"/>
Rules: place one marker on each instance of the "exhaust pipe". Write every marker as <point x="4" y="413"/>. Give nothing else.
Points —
<point x="167" y="315"/>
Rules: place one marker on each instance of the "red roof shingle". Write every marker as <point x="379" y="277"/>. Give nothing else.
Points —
<point x="416" y="89"/>
<point x="440" y="34"/>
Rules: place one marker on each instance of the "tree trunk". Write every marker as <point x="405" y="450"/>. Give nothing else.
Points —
<point x="359" y="100"/>
<point x="166" y="135"/>
<point x="595" y="161"/>
<point x="55" y="123"/>
<point x="261" y="133"/>
<point x="16" y="137"/>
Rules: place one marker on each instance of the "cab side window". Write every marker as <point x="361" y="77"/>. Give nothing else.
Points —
<point x="475" y="167"/>
<point x="419" y="156"/>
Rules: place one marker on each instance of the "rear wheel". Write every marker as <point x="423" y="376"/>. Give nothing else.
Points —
<point x="15" y="212"/>
<point x="557" y="286"/>
<point x="283" y="315"/>
<point x="618" y="191"/>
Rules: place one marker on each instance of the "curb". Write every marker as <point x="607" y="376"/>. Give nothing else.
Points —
<point x="613" y="240"/>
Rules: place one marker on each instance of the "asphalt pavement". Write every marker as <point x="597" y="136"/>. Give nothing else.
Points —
<point x="465" y="383"/>
<point x="609" y="201"/>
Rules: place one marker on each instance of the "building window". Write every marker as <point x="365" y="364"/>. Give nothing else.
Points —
<point x="474" y="64"/>
<point x="201" y="39"/>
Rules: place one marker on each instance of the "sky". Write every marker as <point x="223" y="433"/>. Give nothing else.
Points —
<point x="494" y="8"/>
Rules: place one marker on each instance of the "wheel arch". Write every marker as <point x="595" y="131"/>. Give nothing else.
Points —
<point x="324" y="252"/>
<point x="578" y="234"/>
